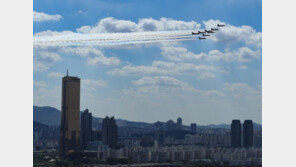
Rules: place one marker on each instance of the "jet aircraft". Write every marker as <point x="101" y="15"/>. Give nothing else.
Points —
<point x="201" y="38"/>
<point x="209" y="31"/>
<point x="205" y="35"/>
<point x="198" y="32"/>
<point x="220" y="25"/>
<point x="195" y="33"/>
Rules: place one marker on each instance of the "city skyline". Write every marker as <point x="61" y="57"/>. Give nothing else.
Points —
<point x="207" y="82"/>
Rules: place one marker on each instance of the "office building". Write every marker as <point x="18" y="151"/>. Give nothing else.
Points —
<point x="109" y="132"/>
<point x="193" y="127"/>
<point x="236" y="133"/>
<point x="160" y="137"/>
<point x="179" y="124"/>
<point x="86" y="127"/>
<point x="248" y="133"/>
<point x="170" y="125"/>
<point x="70" y="116"/>
<point x="96" y="135"/>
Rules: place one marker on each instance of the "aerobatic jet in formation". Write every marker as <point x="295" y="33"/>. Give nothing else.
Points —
<point x="209" y="31"/>
<point x="195" y="33"/>
<point x="206" y="32"/>
<point x="198" y="32"/>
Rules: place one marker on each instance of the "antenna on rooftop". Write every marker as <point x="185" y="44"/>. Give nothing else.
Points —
<point x="67" y="72"/>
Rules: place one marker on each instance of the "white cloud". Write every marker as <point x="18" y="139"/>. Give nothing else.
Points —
<point x="40" y="66"/>
<point x="94" y="56"/>
<point x="164" y="81"/>
<point x="96" y="83"/>
<point x="49" y="56"/>
<point x="180" y="53"/>
<point x="243" y="54"/>
<point x="89" y="85"/>
<point x="47" y="96"/>
<point x="206" y="75"/>
<point x="43" y="60"/>
<point x="111" y="24"/>
<point x="241" y="90"/>
<point x="49" y="33"/>
<point x="243" y="67"/>
<point x="169" y="87"/>
<point x="166" y="24"/>
<point x="55" y="75"/>
<point x="39" y="84"/>
<point x="233" y="34"/>
<point x="161" y="67"/>
<point x="213" y="93"/>
<point x="39" y="17"/>
<point x="80" y="12"/>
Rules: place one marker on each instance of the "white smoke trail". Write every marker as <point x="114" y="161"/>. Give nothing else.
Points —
<point x="111" y="39"/>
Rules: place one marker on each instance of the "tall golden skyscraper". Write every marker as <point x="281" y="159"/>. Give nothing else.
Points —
<point x="70" y="116"/>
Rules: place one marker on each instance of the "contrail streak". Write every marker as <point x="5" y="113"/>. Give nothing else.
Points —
<point x="111" y="39"/>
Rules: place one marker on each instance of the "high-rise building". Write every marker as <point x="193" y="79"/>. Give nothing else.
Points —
<point x="86" y="127"/>
<point x="193" y="127"/>
<point x="159" y="125"/>
<point x="70" y="116"/>
<point x="170" y="125"/>
<point x="96" y="135"/>
<point x="109" y="132"/>
<point x="236" y="133"/>
<point x="159" y="136"/>
<point x="179" y="124"/>
<point x="248" y="133"/>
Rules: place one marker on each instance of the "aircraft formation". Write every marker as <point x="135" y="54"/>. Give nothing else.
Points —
<point x="206" y="32"/>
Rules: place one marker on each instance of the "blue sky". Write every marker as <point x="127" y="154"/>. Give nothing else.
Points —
<point x="208" y="82"/>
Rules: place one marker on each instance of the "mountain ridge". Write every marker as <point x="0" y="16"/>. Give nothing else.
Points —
<point x="51" y="116"/>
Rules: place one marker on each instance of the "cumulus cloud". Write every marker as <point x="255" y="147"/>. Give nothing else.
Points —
<point x="233" y="34"/>
<point x="165" y="81"/>
<point x="180" y="53"/>
<point x="55" y="75"/>
<point x="47" y="96"/>
<point x="43" y="60"/>
<point x="95" y="83"/>
<point x="49" y="33"/>
<point x="243" y="67"/>
<point x="243" y="54"/>
<point x="39" y="17"/>
<point x="162" y="67"/>
<point x="52" y="57"/>
<point x="89" y="85"/>
<point x="94" y="55"/>
<point x="229" y="34"/>
<point x="39" y="84"/>
<point x="110" y="24"/>
<point x="239" y="90"/>
<point x="170" y="87"/>
<point x="206" y="75"/>
<point x="40" y="66"/>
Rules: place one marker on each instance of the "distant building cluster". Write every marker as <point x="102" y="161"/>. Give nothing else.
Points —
<point x="233" y="156"/>
<point x="163" y="142"/>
